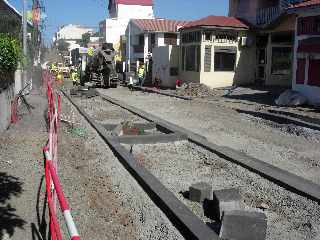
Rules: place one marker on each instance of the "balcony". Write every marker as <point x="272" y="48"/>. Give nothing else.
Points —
<point x="268" y="14"/>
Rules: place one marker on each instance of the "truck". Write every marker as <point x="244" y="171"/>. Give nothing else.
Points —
<point x="100" y="68"/>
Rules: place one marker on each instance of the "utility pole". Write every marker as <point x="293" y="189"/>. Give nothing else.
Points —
<point x="129" y="62"/>
<point x="24" y="37"/>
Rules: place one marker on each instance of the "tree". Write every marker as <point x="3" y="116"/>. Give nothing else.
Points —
<point x="62" y="45"/>
<point x="85" y="39"/>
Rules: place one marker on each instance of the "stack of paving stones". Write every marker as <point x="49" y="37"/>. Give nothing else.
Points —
<point x="225" y="207"/>
<point x="83" y="91"/>
<point x="197" y="90"/>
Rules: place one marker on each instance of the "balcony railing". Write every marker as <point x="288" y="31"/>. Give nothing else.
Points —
<point x="267" y="15"/>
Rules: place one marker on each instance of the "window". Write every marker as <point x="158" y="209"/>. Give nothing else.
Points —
<point x="314" y="72"/>
<point x="183" y="55"/>
<point x="191" y="37"/>
<point x="281" y="60"/>
<point x="226" y="37"/>
<point x="207" y="36"/>
<point x="207" y="58"/>
<point x="225" y="59"/>
<point x="300" y="75"/>
<point x="141" y="39"/>
<point x="170" y="38"/>
<point x="190" y="58"/>
<point x="198" y="53"/>
<point x="174" y="71"/>
<point x="309" y="25"/>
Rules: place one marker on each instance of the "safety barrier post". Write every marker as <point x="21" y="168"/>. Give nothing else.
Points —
<point x="53" y="187"/>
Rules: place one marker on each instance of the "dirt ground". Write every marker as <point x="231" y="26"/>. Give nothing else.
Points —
<point x="294" y="151"/>
<point x="106" y="202"/>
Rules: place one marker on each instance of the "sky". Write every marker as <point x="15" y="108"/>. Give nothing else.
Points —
<point x="91" y="12"/>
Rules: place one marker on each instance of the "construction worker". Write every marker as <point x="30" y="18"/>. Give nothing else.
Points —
<point x="141" y="73"/>
<point x="74" y="77"/>
<point x="59" y="76"/>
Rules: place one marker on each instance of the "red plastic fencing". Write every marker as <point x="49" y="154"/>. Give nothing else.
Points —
<point x="53" y="187"/>
<point x="14" y="110"/>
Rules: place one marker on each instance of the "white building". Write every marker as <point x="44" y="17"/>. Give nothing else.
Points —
<point x="158" y="38"/>
<point x="120" y="12"/>
<point x="72" y="33"/>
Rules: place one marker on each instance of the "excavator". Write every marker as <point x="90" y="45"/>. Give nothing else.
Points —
<point x="100" y="68"/>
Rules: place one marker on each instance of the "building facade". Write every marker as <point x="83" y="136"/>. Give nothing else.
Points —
<point x="217" y="51"/>
<point x="286" y="35"/>
<point x="306" y="66"/>
<point x="120" y="12"/>
<point x="154" y="42"/>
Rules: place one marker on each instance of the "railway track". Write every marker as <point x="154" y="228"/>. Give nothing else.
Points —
<point x="293" y="190"/>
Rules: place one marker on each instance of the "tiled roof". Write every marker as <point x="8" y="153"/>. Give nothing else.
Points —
<point x="159" y="25"/>
<point x="307" y="3"/>
<point x="217" y="21"/>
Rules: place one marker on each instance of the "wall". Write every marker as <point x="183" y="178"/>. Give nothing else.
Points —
<point x="164" y="58"/>
<point x="72" y="32"/>
<point x="135" y="12"/>
<point x="6" y="97"/>
<point x="115" y="28"/>
<point x="245" y="9"/>
<point x="160" y="39"/>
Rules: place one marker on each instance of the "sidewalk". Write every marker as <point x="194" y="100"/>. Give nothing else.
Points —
<point x="21" y="171"/>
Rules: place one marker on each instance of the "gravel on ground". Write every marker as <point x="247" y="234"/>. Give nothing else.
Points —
<point x="296" y="153"/>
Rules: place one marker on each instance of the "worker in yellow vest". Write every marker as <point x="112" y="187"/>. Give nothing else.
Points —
<point x="141" y="74"/>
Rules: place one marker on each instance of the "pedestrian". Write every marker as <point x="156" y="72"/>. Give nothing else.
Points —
<point x="141" y="74"/>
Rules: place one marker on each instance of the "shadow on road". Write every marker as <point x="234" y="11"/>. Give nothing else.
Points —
<point x="9" y="187"/>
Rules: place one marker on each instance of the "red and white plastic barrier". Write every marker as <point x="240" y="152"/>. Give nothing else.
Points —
<point x="51" y="172"/>
<point x="53" y="187"/>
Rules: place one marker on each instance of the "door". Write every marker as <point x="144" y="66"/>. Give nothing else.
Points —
<point x="261" y="66"/>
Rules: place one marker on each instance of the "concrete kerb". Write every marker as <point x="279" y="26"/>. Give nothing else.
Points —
<point x="151" y="139"/>
<point x="150" y="90"/>
<point x="281" y="177"/>
<point x="275" y="117"/>
<point x="190" y="226"/>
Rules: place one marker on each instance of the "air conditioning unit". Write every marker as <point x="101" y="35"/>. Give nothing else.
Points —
<point x="246" y="41"/>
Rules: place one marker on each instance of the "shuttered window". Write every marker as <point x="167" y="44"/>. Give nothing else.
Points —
<point x="314" y="72"/>
<point x="301" y="71"/>
<point x="207" y="58"/>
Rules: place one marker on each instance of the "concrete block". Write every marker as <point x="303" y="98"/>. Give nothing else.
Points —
<point x="224" y="200"/>
<point x="243" y="225"/>
<point x="200" y="191"/>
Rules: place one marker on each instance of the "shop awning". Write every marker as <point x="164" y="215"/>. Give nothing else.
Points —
<point x="310" y="45"/>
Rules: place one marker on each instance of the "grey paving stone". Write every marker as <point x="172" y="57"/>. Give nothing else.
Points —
<point x="200" y="191"/>
<point x="224" y="200"/>
<point x="243" y="225"/>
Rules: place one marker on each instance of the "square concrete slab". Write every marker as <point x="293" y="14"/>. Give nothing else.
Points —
<point x="200" y="191"/>
<point x="225" y="200"/>
<point x="243" y="225"/>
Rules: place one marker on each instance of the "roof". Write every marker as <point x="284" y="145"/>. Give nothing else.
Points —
<point x="218" y="21"/>
<point x="307" y="3"/>
<point x="131" y="2"/>
<point x="159" y="25"/>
